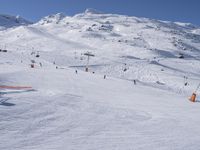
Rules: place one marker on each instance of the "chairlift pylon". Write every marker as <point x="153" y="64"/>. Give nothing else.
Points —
<point x="88" y="54"/>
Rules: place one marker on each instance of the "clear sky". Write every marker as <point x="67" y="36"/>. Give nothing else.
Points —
<point x="172" y="10"/>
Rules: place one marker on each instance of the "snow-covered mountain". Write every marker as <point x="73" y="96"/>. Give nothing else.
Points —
<point x="65" y="110"/>
<point x="118" y="41"/>
<point x="7" y="21"/>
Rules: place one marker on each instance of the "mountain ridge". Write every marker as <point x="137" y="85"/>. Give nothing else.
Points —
<point x="8" y="21"/>
<point x="89" y="11"/>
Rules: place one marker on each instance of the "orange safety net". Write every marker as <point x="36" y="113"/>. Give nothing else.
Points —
<point x="14" y="87"/>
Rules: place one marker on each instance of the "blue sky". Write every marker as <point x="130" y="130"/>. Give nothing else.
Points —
<point x="172" y="10"/>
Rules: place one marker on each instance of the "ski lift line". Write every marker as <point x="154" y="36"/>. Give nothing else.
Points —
<point x="171" y="74"/>
<point x="149" y="84"/>
<point x="133" y="65"/>
<point x="189" y="74"/>
<point x="149" y="69"/>
<point x="155" y="71"/>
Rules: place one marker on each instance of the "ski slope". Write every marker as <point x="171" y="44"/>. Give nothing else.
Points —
<point x="84" y="111"/>
<point x="64" y="110"/>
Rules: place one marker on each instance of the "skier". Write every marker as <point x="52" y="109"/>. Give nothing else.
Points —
<point x="32" y="66"/>
<point x="76" y="72"/>
<point x="134" y="81"/>
<point x="40" y="64"/>
<point x="104" y="76"/>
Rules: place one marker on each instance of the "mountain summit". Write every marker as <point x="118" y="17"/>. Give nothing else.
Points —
<point x="55" y="18"/>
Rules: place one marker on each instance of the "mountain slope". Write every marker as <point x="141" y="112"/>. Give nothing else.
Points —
<point x="84" y="111"/>
<point x="149" y="50"/>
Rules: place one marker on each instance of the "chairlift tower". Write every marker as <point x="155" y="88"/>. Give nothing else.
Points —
<point x="88" y="54"/>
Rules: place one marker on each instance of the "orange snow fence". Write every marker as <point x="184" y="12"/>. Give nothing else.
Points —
<point x="14" y="87"/>
<point x="193" y="97"/>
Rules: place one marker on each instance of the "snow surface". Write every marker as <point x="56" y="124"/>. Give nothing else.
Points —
<point x="65" y="110"/>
